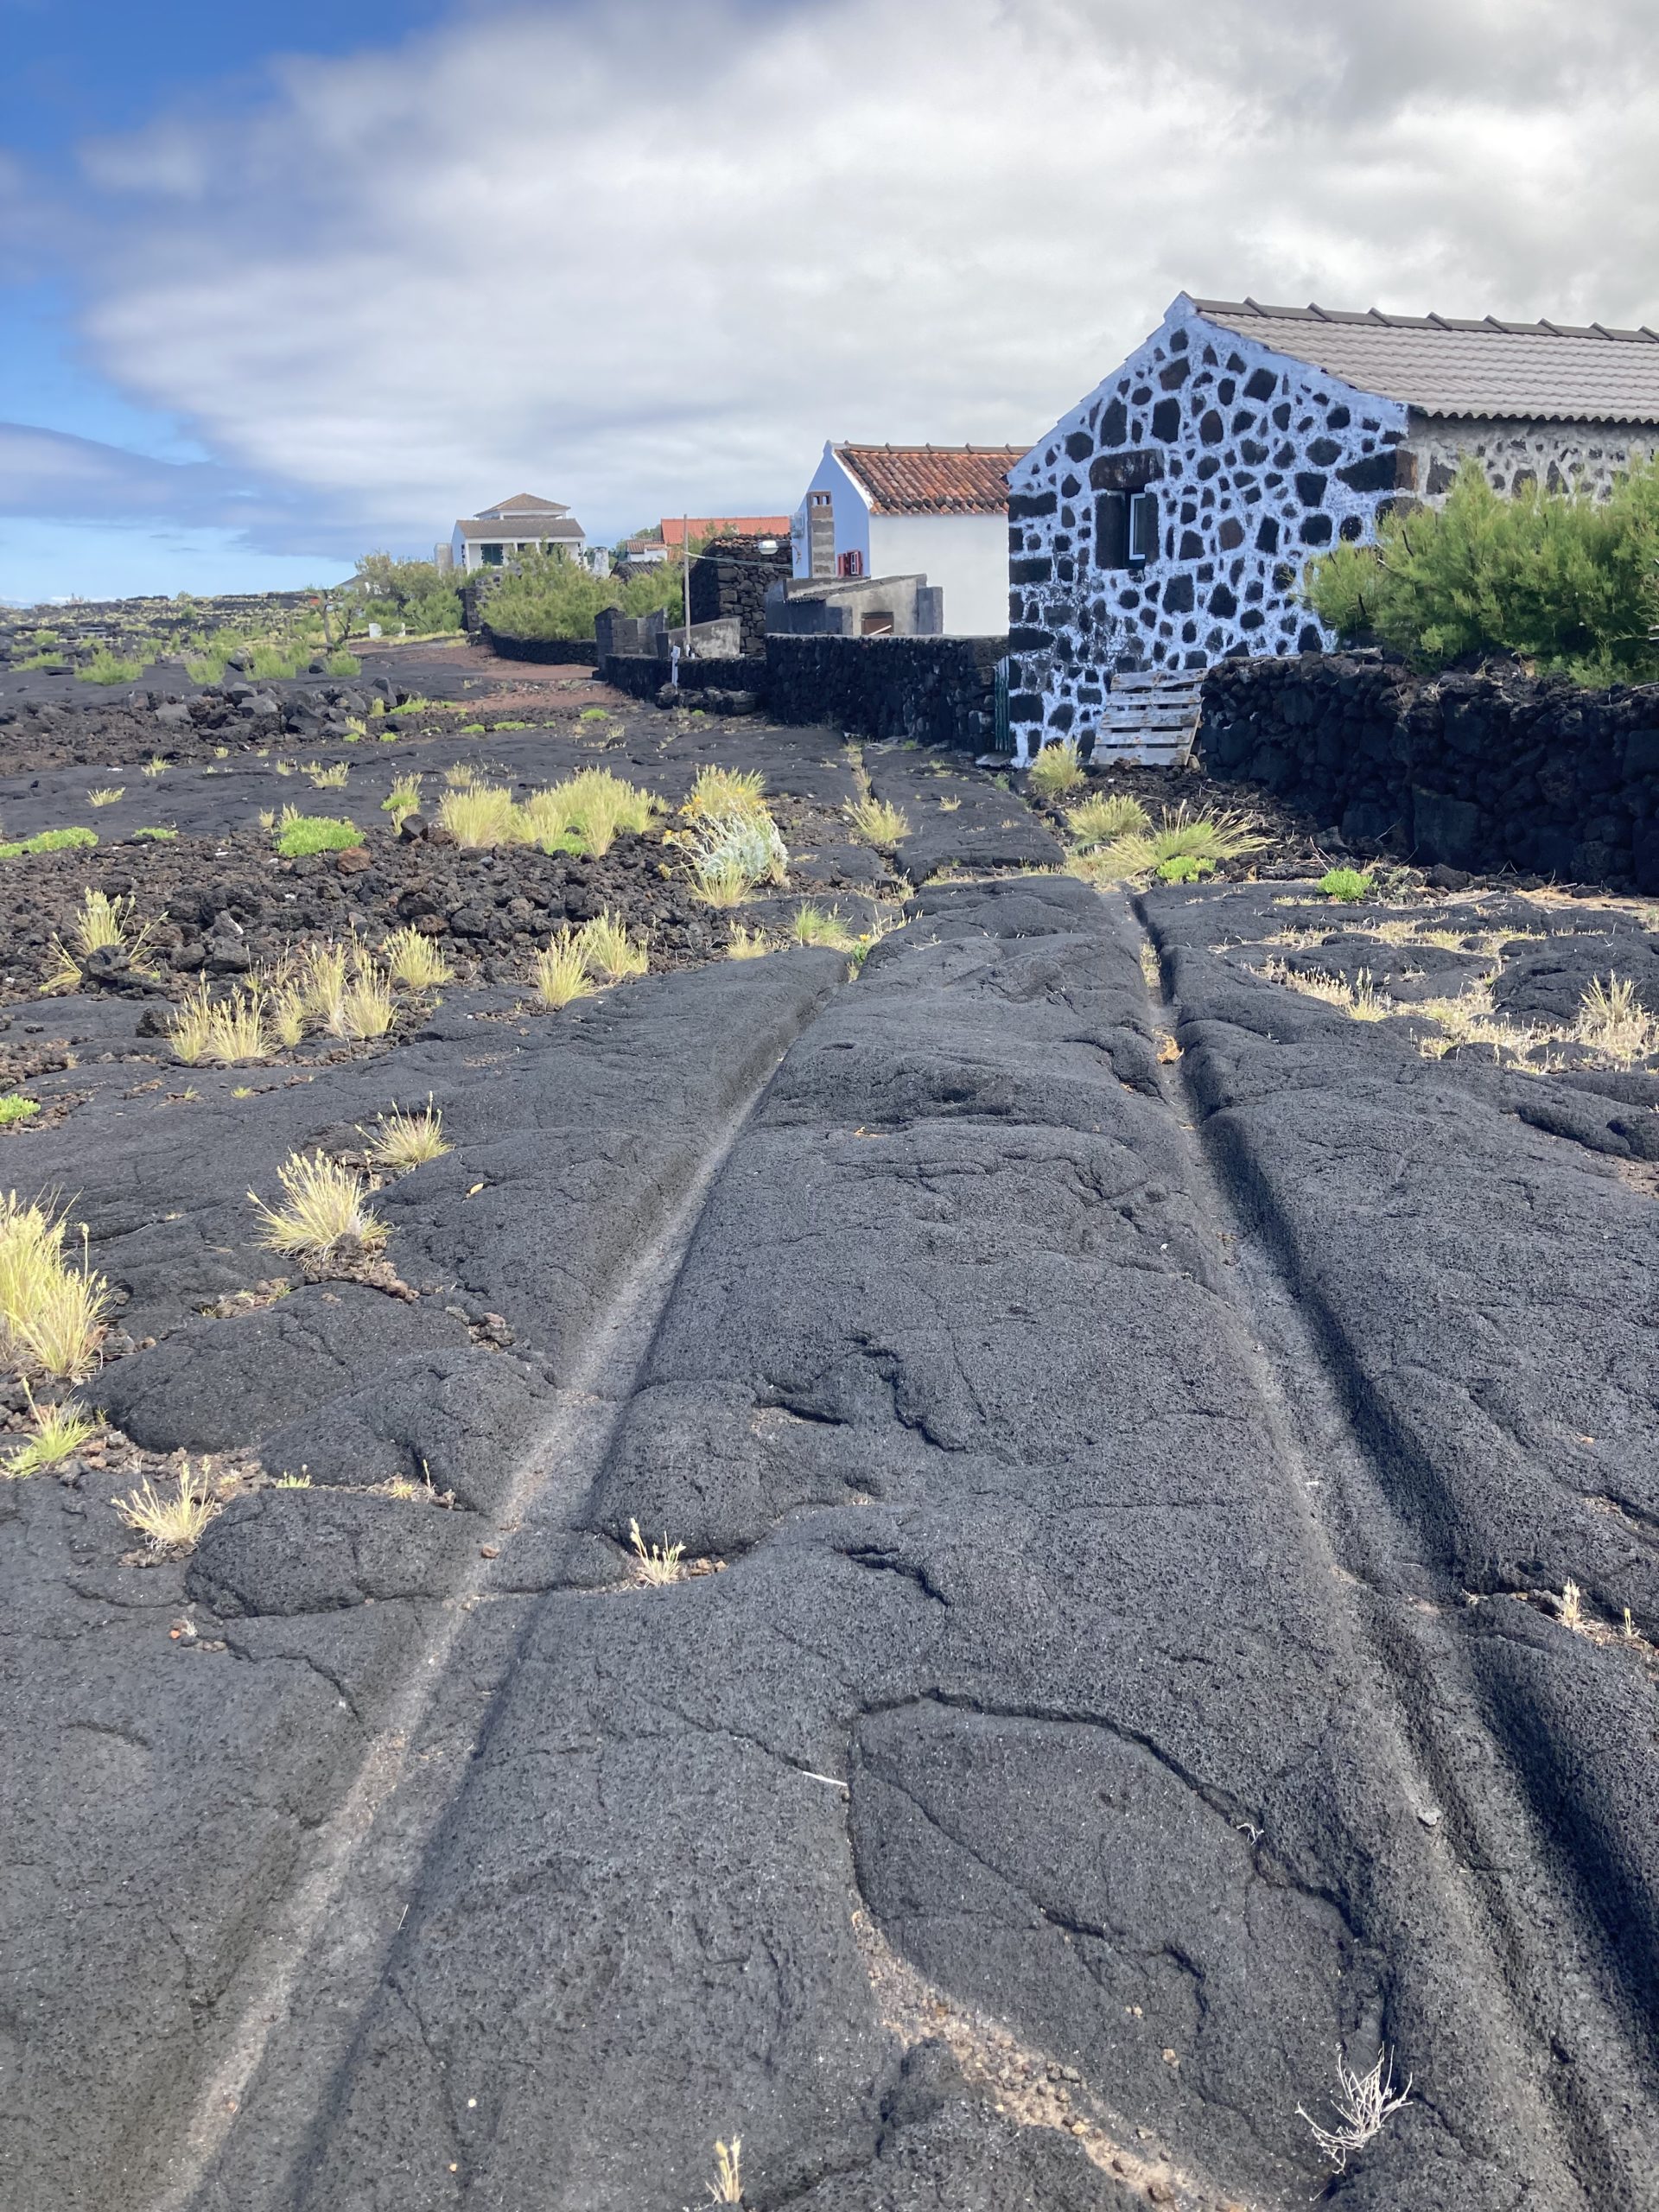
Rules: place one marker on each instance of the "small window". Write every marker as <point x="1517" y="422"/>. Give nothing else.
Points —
<point x="491" y="556"/>
<point x="875" y="626"/>
<point x="1143" y="527"/>
<point x="850" y="564"/>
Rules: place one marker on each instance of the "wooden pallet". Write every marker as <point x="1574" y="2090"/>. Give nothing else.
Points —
<point x="1151" y="717"/>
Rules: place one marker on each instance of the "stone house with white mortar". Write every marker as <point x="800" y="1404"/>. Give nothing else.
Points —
<point x="1166" y="521"/>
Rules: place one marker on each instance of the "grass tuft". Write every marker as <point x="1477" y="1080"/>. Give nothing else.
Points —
<point x="1057" y="769"/>
<point x="1346" y="885"/>
<point x="811" y="925"/>
<point x="1096" y="821"/>
<point x="744" y="944"/>
<point x="48" y="840"/>
<point x="874" y="821"/>
<point x="59" y="1432"/>
<point x="726" y="2187"/>
<point x="558" y="974"/>
<point x="657" y="1564"/>
<point x="331" y="778"/>
<point x="155" y="766"/>
<point x="15" y="1109"/>
<point x="1206" y="840"/>
<point x="106" y="795"/>
<point x="403" y="1140"/>
<point x="51" y="1311"/>
<point x="610" y="953"/>
<point x="230" y="1030"/>
<point x="1362" y="2103"/>
<point x="324" y="1209"/>
<point x="1614" y="1021"/>
<point x="170" y="1525"/>
<point x="1361" y="999"/>
<point x="101" y="921"/>
<point x="416" y="960"/>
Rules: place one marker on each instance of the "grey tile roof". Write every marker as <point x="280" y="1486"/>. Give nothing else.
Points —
<point x="514" y="527"/>
<point x="1445" y="364"/>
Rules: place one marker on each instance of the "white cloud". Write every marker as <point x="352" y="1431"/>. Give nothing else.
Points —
<point x="644" y="257"/>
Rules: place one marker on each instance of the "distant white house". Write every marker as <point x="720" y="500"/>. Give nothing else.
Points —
<point x="891" y="511"/>
<point x="492" y="536"/>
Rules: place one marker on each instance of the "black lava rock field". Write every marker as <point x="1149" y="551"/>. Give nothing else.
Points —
<point x="996" y="1550"/>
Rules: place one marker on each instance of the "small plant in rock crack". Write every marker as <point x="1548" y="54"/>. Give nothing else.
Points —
<point x="366" y="1007"/>
<point x="1208" y="838"/>
<point x="402" y="1141"/>
<point x="101" y="923"/>
<point x="1057" y="769"/>
<point x="106" y="795"/>
<point x="331" y="778"/>
<point x="51" y="1311"/>
<point x="1096" y="821"/>
<point x="405" y="798"/>
<point x="726" y="2187"/>
<point x="170" y="1526"/>
<point x="1613" y="1020"/>
<point x="415" y="961"/>
<point x="657" y="1564"/>
<point x="1361" y="999"/>
<point x="324" y="1213"/>
<point x="877" y="822"/>
<point x="155" y="766"/>
<point x="558" y="974"/>
<point x="1346" y="885"/>
<point x="744" y="944"/>
<point x="1184" y="867"/>
<point x="15" y="1109"/>
<point x="59" y="1432"/>
<point x="810" y="925"/>
<point x="1362" y="2103"/>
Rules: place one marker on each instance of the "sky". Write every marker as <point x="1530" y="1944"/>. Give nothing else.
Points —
<point x="281" y="285"/>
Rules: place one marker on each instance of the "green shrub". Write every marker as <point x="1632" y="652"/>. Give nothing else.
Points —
<point x="548" y="595"/>
<point x="302" y="835"/>
<point x="1346" y="884"/>
<point x="157" y="836"/>
<point x="106" y="667"/>
<point x="1184" y="867"/>
<point x="15" y="1109"/>
<point x="1564" y="581"/>
<point x="49" y="841"/>
<point x="344" y="664"/>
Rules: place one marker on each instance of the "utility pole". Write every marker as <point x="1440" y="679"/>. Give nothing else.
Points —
<point x="685" y="556"/>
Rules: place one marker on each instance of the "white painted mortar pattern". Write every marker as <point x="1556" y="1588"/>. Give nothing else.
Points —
<point x="1257" y="460"/>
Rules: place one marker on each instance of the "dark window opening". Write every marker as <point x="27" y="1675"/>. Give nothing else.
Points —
<point x="878" y="625"/>
<point x="1126" y="529"/>
<point x="491" y="556"/>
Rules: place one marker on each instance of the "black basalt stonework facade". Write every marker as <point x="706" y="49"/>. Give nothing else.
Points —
<point x="1166" y="521"/>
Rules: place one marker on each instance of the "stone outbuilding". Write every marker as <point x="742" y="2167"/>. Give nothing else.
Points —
<point x="1166" y="521"/>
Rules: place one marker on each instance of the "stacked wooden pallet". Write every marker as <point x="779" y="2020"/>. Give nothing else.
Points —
<point x="1151" y="717"/>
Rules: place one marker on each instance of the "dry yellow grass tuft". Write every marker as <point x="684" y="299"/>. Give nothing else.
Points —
<point x="611" y="953"/>
<point x="558" y="974"/>
<point x="811" y="925"/>
<point x="657" y="1564"/>
<point x="403" y="1140"/>
<point x="230" y="1030"/>
<point x="748" y="944"/>
<point x="170" y="1525"/>
<point x="1361" y="999"/>
<point x="52" y="1312"/>
<point x="1614" y="1021"/>
<point x="416" y="960"/>
<point x="59" y="1432"/>
<point x="1057" y="769"/>
<point x="480" y="815"/>
<point x="99" y="923"/>
<point x="324" y="1210"/>
<point x="874" y="821"/>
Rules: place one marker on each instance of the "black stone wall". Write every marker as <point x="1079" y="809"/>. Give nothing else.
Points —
<point x="642" y="676"/>
<point x="731" y="576"/>
<point x="940" y="690"/>
<point x="1480" y="771"/>
<point x="560" y="652"/>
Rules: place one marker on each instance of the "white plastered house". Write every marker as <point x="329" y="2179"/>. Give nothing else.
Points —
<point x="902" y="511"/>
<point x="490" y="538"/>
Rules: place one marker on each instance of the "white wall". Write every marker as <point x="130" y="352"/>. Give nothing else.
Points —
<point x="968" y="554"/>
<point x="852" y="515"/>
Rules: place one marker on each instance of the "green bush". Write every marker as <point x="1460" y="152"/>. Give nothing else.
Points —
<point x="15" y="1108"/>
<point x="156" y="836"/>
<point x="344" y="664"/>
<point x="1565" y="581"/>
<point x="106" y="667"/>
<point x="302" y="834"/>
<point x="1345" y="884"/>
<point x="49" y="841"/>
<point x="548" y="595"/>
<point x="662" y="586"/>
<point x="411" y="595"/>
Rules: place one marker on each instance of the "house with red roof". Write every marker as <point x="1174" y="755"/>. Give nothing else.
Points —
<point x="901" y="510"/>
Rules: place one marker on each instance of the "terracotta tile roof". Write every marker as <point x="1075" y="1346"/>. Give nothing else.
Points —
<point x="933" y="480"/>
<point x="675" y="527"/>
<point x="1446" y="365"/>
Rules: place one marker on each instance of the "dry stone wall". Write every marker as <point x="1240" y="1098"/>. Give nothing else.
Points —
<point x="1478" y="770"/>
